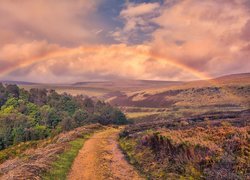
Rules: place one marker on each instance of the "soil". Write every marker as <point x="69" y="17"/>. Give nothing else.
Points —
<point x="101" y="158"/>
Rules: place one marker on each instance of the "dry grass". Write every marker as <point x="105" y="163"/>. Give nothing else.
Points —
<point x="140" y="114"/>
<point x="210" y="137"/>
<point x="37" y="160"/>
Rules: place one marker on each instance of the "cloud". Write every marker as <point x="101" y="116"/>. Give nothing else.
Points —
<point x="136" y="18"/>
<point x="57" y="21"/>
<point x="246" y="31"/>
<point x="205" y="35"/>
<point x="135" y="10"/>
<point x="58" y="63"/>
<point x="43" y="62"/>
<point x="18" y="55"/>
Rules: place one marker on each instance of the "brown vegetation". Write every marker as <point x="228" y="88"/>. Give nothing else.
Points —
<point x="214" y="145"/>
<point x="35" y="161"/>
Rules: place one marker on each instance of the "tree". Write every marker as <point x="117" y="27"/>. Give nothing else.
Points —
<point x="3" y="95"/>
<point x="118" y="117"/>
<point x="88" y="105"/>
<point x="38" y="96"/>
<point x="49" y="117"/>
<point x="18" y="134"/>
<point x="39" y="132"/>
<point x="67" y="124"/>
<point x="24" y="95"/>
<point x="12" y="90"/>
<point x="67" y="104"/>
<point x="80" y="117"/>
<point x="106" y="115"/>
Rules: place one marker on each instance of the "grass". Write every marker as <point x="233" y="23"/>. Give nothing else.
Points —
<point x="140" y="114"/>
<point x="127" y="146"/>
<point x="61" y="167"/>
<point x="183" y="154"/>
<point x="90" y="91"/>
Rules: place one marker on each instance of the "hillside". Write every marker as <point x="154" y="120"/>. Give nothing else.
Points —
<point x="128" y="85"/>
<point x="196" y="130"/>
<point x="45" y="159"/>
<point x="208" y="146"/>
<point x="232" y="90"/>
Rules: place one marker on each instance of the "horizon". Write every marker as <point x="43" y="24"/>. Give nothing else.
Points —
<point x="116" y="80"/>
<point x="108" y="40"/>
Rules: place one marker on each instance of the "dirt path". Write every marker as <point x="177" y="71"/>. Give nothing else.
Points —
<point x="100" y="158"/>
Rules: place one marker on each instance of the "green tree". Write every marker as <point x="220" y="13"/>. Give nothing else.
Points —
<point x="49" y="117"/>
<point x="67" y="123"/>
<point x="3" y="95"/>
<point x="39" y="132"/>
<point x="81" y="117"/>
<point x="118" y="117"/>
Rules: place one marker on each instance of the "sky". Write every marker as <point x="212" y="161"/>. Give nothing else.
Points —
<point x="62" y="41"/>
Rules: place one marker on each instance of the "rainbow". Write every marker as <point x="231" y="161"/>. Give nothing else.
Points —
<point x="148" y="54"/>
<point x="68" y="52"/>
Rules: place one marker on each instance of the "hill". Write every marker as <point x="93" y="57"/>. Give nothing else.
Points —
<point x="127" y="85"/>
<point x="232" y="90"/>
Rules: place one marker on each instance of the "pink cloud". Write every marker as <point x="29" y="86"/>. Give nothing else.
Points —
<point x="55" y="21"/>
<point x="205" y="35"/>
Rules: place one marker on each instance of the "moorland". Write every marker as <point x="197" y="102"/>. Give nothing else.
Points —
<point x="177" y="130"/>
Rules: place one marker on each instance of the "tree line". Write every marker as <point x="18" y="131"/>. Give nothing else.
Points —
<point x="40" y="113"/>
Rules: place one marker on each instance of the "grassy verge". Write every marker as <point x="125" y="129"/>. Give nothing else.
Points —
<point x="127" y="148"/>
<point x="61" y="167"/>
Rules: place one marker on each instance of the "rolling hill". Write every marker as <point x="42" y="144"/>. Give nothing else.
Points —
<point x="229" y="90"/>
<point x="232" y="90"/>
<point x="99" y="88"/>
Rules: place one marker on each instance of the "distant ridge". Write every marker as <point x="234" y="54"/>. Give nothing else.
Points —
<point x="18" y="82"/>
<point x="229" y="76"/>
<point x="128" y="82"/>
